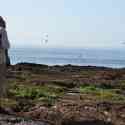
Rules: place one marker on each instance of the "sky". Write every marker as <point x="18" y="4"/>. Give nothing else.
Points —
<point x="68" y="23"/>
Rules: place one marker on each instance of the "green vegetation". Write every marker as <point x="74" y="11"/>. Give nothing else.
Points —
<point x="103" y="93"/>
<point x="47" y="94"/>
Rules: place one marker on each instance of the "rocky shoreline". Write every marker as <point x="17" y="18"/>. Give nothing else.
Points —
<point x="65" y="95"/>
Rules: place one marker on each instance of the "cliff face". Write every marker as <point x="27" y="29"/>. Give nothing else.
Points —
<point x="67" y="95"/>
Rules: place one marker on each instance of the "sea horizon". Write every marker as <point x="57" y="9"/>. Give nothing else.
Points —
<point x="106" y="57"/>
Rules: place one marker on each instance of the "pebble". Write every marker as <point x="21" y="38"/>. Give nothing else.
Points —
<point x="106" y="113"/>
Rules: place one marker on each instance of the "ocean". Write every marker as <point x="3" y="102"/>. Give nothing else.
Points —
<point x="114" y="58"/>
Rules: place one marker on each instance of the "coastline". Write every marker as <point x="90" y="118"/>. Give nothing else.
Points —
<point x="71" y="94"/>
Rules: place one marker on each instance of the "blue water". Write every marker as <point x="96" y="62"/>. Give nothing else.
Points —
<point x="57" y="56"/>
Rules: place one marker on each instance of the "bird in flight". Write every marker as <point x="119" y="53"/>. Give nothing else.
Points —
<point x="45" y="38"/>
